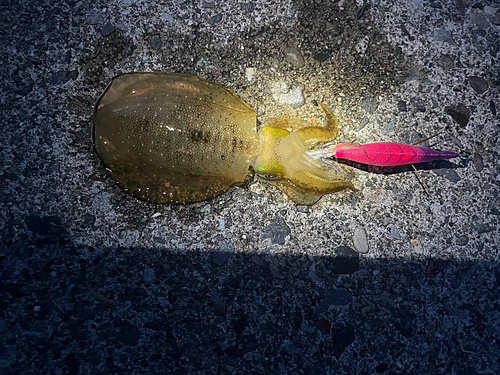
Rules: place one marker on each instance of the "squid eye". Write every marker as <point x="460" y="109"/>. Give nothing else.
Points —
<point x="269" y="177"/>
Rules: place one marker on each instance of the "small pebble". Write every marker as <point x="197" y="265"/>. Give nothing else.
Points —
<point x="149" y="275"/>
<point x="250" y="73"/>
<point x="107" y="29"/>
<point x="360" y="241"/>
<point x="362" y="123"/>
<point x="321" y="56"/>
<point x="477" y="160"/>
<point x="226" y="246"/>
<point x="294" y="57"/>
<point x="446" y="62"/>
<point x="207" y="4"/>
<point x="479" y="84"/>
<point x="460" y="113"/>
<point x="490" y="11"/>
<point x="40" y="225"/>
<point x="362" y="45"/>
<point x="394" y="235"/>
<point x="369" y="104"/>
<point x="276" y="231"/>
<point x="442" y="35"/>
<point x="342" y="339"/>
<point x="420" y="107"/>
<point x="402" y="106"/>
<point x="294" y="98"/>
<point x="215" y="19"/>
<point x="155" y="42"/>
<point x="381" y="368"/>
<point x="479" y="19"/>
<point x="324" y="326"/>
<point x="361" y="10"/>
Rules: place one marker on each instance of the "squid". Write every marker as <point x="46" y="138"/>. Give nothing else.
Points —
<point x="175" y="138"/>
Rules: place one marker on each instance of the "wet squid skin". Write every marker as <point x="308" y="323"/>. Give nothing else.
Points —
<point x="173" y="138"/>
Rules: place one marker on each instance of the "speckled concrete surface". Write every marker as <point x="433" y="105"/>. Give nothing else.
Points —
<point x="384" y="280"/>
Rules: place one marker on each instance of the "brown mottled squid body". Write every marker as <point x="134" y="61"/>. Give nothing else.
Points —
<point x="174" y="138"/>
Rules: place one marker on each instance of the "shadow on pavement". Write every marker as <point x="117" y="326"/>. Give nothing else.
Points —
<point x="73" y="309"/>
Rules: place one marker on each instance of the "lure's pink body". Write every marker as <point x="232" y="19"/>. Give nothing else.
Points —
<point x="388" y="154"/>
